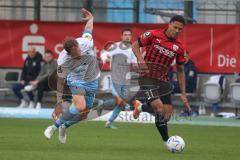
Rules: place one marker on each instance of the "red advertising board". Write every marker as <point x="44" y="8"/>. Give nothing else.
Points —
<point x="213" y="48"/>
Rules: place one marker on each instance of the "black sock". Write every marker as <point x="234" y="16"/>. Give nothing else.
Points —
<point x="161" y="125"/>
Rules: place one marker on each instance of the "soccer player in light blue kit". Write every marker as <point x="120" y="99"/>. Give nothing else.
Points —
<point x="80" y="64"/>
<point x="122" y="59"/>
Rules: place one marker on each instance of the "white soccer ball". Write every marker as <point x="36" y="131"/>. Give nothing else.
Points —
<point x="175" y="144"/>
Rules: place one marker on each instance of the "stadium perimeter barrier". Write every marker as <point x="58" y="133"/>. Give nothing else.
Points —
<point x="9" y="76"/>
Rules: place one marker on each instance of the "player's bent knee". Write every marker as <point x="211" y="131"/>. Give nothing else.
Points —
<point x="84" y="114"/>
<point x="119" y="101"/>
<point x="122" y="104"/>
<point x="168" y="109"/>
<point x="158" y="110"/>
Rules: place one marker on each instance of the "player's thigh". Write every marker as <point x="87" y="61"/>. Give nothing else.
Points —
<point x="79" y="102"/>
<point x="157" y="105"/>
<point x="90" y="96"/>
<point x="163" y="105"/>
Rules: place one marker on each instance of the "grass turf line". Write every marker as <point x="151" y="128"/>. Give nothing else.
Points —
<point x="23" y="139"/>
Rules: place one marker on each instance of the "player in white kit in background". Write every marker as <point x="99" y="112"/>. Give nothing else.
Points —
<point x="121" y="59"/>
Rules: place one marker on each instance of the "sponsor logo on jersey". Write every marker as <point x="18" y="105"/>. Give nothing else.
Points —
<point x="165" y="51"/>
<point x="88" y="37"/>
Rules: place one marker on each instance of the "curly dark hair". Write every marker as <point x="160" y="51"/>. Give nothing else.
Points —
<point x="178" y="18"/>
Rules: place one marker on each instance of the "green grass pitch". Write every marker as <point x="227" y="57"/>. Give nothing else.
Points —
<point x="22" y="139"/>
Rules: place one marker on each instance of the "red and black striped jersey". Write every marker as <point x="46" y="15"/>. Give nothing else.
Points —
<point x="160" y="52"/>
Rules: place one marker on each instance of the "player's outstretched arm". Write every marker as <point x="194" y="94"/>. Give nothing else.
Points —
<point x="87" y="16"/>
<point x="181" y="78"/>
<point x="182" y="85"/>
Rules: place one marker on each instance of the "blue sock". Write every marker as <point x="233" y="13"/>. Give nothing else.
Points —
<point x="67" y="117"/>
<point x="115" y="113"/>
<point x="73" y="121"/>
<point x="109" y="102"/>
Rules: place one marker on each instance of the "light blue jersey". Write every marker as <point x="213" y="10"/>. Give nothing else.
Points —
<point x="82" y="73"/>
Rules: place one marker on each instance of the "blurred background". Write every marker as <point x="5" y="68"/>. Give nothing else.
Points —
<point x="123" y="11"/>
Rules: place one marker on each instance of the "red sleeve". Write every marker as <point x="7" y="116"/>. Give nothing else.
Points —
<point x="180" y="56"/>
<point x="145" y="39"/>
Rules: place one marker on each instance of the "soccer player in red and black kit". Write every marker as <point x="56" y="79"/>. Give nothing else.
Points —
<point x="162" y="47"/>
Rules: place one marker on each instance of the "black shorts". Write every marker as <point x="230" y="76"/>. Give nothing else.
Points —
<point x="166" y="99"/>
<point x="147" y="83"/>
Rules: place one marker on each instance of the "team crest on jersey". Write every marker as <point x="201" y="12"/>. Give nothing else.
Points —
<point x="88" y="37"/>
<point x="175" y="47"/>
<point x="146" y="34"/>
